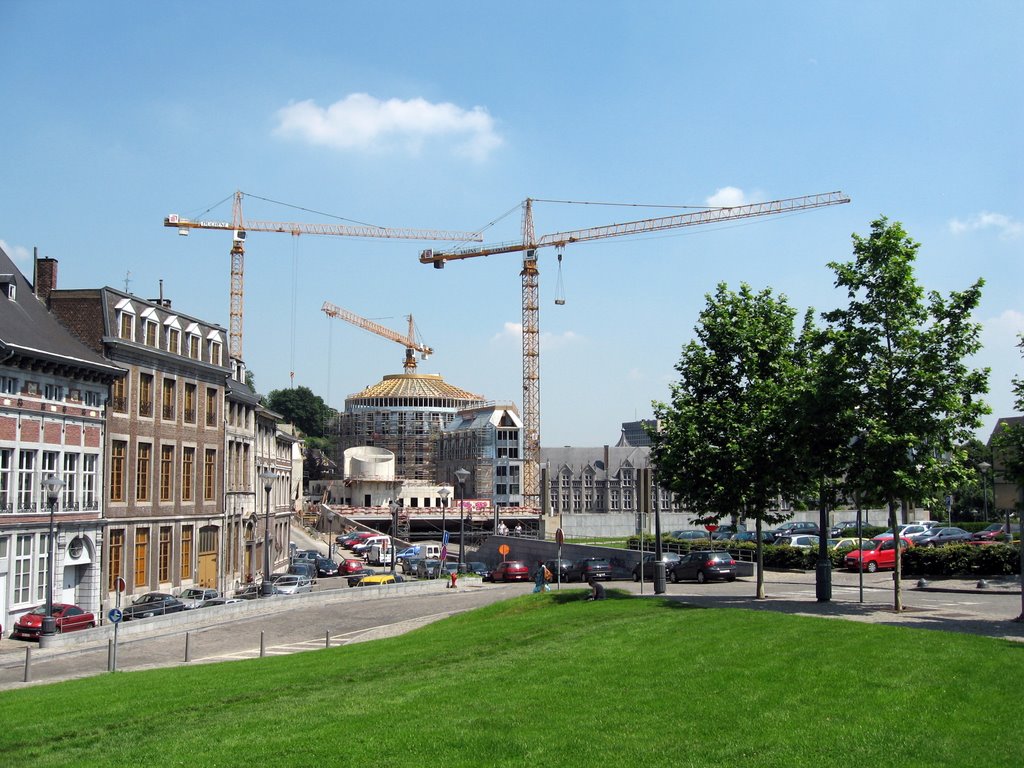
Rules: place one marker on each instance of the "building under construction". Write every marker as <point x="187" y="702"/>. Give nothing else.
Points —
<point x="403" y="413"/>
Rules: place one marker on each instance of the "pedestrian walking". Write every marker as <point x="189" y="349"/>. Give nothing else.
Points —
<point x="541" y="578"/>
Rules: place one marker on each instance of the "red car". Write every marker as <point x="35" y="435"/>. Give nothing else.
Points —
<point x="350" y="566"/>
<point x="875" y="554"/>
<point x="69" y="618"/>
<point x="511" y="570"/>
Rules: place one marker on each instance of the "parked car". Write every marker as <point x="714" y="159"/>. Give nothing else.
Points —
<point x="798" y="540"/>
<point x="837" y="529"/>
<point x="29" y="626"/>
<point x="766" y="536"/>
<point x="845" y="543"/>
<point x="796" y="526"/>
<point x="646" y="566"/>
<point x="690" y="535"/>
<point x="380" y="578"/>
<point x="480" y="569"/>
<point x="305" y="568"/>
<point x="309" y="555"/>
<point x="726" y="531"/>
<point x="937" y="537"/>
<point x="877" y="553"/>
<point x="325" y="567"/>
<point x="914" y="530"/>
<point x="152" y="604"/>
<point x="357" y="538"/>
<point x="291" y="583"/>
<point x="410" y="564"/>
<point x="221" y="601"/>
<point x="350" y="565"/>
<point x="559" y="569"/>
<point x="590" y="567"/>
<point x="197" y="597"/>
<point x="428" y="569"/>
<point x="704" y="566"/>
<point x="994" y="532"/>
<point x="510" y="570"/>
<point x="355" y="578"/>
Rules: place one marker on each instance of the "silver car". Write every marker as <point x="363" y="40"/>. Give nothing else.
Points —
<point x="197" y="597"/>
<point x="291" y="583"/>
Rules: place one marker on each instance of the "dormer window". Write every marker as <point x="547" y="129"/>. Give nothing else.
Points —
<point x="125" y="320"/>
<point x="8" y="286"/>
<point x="214" y="348"/>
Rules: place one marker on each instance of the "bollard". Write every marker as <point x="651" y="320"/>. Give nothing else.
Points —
<point x="28" y="664"/>
<point x="188" y="646"/>
<point x="328" y="638"/>
<point x="263" y="648"/>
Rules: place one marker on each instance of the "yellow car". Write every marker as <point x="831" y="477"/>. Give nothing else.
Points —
<point x="847" y="543"/>
<point x="380" y="578"/>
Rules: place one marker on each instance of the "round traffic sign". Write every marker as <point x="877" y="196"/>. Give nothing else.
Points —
<point x="711" y="528"/>
<point x="503" y="550"/>
<point x="115" y="615"/>
<point x="119" y="584"/>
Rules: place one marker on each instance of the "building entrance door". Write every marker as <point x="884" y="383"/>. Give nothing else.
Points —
<point x="208" y="547"/>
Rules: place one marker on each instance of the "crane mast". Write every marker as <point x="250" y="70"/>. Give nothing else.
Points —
<point x="409" y="341"/>
<point x="239" y="226"/>
<point x="531" y="295"/>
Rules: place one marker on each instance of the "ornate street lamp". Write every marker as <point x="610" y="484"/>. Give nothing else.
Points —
<point x="984" y="466"/>
<point x="461" y="475"/>
<point x="52" y="485"/>
<point x="394" y="506"/>
<point x="444" y="492"/>
<point x="268" y="478"/>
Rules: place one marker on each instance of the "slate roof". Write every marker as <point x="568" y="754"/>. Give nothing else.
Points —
<point x="30" y="331"/>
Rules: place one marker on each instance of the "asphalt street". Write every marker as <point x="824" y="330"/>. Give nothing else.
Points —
<point x="946" y="605"/>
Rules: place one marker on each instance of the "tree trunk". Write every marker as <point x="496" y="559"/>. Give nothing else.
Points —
<point x="897" y="595"/>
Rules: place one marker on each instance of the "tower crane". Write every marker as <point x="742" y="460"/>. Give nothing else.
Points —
<point x="530" y="274"/>
<point x="409" y="342"/>
<point x="239" y="226"/>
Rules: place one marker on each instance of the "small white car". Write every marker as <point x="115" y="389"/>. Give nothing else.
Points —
<point x="291" y="583"/>
<point x="197" y="597"/>
<point x="798" y="540"/>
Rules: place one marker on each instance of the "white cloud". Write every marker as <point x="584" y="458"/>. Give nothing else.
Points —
<point x="548" y="341"/>
<point x="362" y="122"/>
<point x="1007" y="227"/>
<point x="727" y="197"/>
<point x="19" y="254"/>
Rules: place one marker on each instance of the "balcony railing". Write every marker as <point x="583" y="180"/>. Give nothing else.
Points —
<point x="169" y="412"/>
<point x="145" y="409"/>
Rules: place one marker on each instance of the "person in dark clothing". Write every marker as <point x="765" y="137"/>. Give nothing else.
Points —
<point x="596" y="589"/>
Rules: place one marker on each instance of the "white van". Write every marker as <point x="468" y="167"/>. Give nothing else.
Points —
<point x="379" y="554"/>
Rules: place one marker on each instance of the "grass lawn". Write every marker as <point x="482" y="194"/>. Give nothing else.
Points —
<point x="551" y="680"/>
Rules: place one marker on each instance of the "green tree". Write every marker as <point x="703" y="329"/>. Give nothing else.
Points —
<point x="307" y="411"/>
<point x="916" y="402"/>
<point x="1009" y="444"/>
<point x="727" y="445"/>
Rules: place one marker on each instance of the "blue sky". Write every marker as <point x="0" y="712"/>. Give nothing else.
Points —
<point x="446" y="116"/>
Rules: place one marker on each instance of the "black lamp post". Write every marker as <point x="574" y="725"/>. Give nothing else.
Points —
<point x="461" y="475"/>
<point x="984" y="466"/>
<point x="395" y="506"/>
<point x="444" y="492"/>
<point x="266" y="588"/>
<point x="52" y="485"/>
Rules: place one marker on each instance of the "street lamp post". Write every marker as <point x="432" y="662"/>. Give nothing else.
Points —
<point x="394" y="506"/>
<point x="268" y="477"/>
<point x="52" y="485"/>
<point x="444" y="492"/>
<point x="461" y="475"/>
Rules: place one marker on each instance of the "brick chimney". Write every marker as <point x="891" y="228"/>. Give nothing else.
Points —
<point x="45" y="279"/>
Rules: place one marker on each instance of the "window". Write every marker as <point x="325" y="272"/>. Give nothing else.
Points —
<point x="174" y="341"/>
<point x="119" y="396"/>
<point x="164" y="564"/>
<point x="209" y="474"/>
<point x="42" y="565"/>
<point x="193" y="346"/>
<point x="145" y="394"/>
<point x="53" y="392"/>
<point x="126" y="326"/>
<point x="169" y="398"/>
<point x="5" y="480"/>
<point x="166" y="471"/>
<point x="151" y="328"/>
<point x="142" y="469"/>
<point x="211" y="407"/>
<point x="8" y="385"/>
<point x="89" y="481"/>
<point x="115" y="565"/>
<point x="190" y="404"/>
<point x="70" y="478"/>
<point x="186" y="551"/>
<point x="118" y="457"/>
<point x="23" y="569"/>
<point x="215" y="352"/>
<point x="188" y="461"/>
<point x="141" y="553"/>
<point x="26" y="474"/>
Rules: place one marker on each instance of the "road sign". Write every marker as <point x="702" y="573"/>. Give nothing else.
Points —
<point x="559" y="537"/>
<point x="444" y="538"/>
<point x="444" y="553"/>
<point x="503" y="550"/>
<point x="119" y="584"/>
<point x="114" y="615"/>
<point x="711" y="528"/>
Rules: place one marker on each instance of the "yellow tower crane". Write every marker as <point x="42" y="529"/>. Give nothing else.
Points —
<point x="239" y="226"/>
<point x="531" y="294"/>
<point x="409" y="342"/>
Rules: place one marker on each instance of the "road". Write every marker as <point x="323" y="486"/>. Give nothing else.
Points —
<point x="300" y="627"/>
